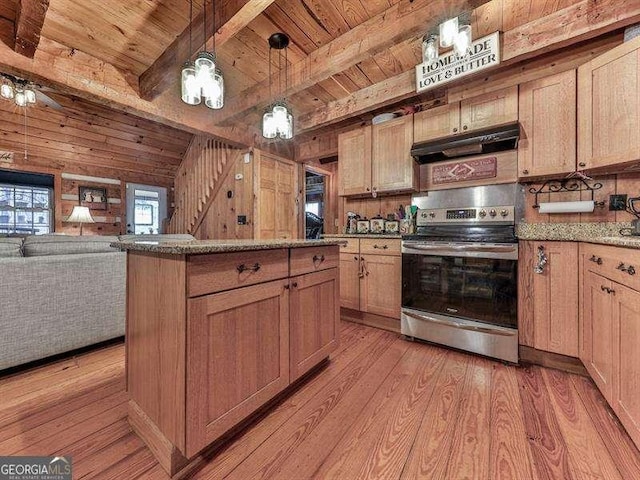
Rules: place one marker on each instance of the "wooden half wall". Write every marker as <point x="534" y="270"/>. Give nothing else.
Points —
<point x="83" y="144"/>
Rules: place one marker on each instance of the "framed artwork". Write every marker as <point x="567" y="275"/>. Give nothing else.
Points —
<point x="93" y="197"/>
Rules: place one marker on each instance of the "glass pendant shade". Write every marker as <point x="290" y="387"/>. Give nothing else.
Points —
<point x="215" y="99"/>
<point x="205" y="65"/>
<point x="268" y="125"/>
<point x="191" y="91"/>
<point x="20" y="98"/>
<point x="430" y="49"/>
<point x="30" y="95"/>
<point x="448" y="32"/>
<point x="7" y="90"/>
<point x="462" y="43"/>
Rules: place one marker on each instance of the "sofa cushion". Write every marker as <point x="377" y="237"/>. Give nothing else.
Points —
<point x="11" y="246"/>
<point x="40" y="245"/>
<point x="161" y="237"/>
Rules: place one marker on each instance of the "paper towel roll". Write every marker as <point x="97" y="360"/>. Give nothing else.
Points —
<point x="567" y="207"/>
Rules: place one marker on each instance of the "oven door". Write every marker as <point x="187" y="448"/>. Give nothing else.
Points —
<point x="470" y="281"/>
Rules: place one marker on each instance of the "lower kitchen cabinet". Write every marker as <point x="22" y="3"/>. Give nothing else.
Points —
<point x="350" y="280"/>
<point x="381" y="284"/>
<point x="237" y="357"/>
<point x="549" y="296"/>
<point x="314" y="320"/>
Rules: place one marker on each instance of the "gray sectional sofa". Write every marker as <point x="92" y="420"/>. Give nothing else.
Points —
<point x="59" y="293"/>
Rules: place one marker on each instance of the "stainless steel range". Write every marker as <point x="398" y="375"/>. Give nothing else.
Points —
<point x="459" y="271"/>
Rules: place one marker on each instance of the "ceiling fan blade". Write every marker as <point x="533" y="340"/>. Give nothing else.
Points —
<point x="48" y="101"/>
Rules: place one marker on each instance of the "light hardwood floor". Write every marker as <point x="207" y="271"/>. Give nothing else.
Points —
<point x="383" y="408"/>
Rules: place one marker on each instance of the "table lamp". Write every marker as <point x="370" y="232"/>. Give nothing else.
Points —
<point x="80" y="215"/>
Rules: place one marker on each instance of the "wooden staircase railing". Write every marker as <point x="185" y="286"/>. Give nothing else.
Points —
<point x="203" y="168"/>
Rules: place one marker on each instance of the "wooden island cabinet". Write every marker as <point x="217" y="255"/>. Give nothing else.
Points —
<point x="216" y="330"/>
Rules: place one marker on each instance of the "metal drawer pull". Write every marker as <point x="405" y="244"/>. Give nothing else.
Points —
<point x="630" y="270"/>
<point x="317" y="258"/>
<point x="384" y="247"/>
<point x="243" y="268"/>
<point x="542" y="260"/>
<point x="595" y="259"/>
<point x="607" y="289"/>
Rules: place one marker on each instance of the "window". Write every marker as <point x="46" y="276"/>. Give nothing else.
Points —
<point x="146" y="211"/>
<point x="26" y="209"/>
<point x="313" y="208"/>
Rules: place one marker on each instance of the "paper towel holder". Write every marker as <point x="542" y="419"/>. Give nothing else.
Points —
<point x="567" y="185"/>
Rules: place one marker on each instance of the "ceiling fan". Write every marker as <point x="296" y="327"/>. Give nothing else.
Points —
<point x="25" y="93"/>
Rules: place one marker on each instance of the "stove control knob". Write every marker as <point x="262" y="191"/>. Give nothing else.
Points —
<point x="482" y="213"/>
<point x="423" y="215"/>
<point x="492" y="212"/>
<point x="432" y="214"/>
<point x="504" y="212"/>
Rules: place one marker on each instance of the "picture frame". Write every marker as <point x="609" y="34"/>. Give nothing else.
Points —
<point x="93" y="197"/>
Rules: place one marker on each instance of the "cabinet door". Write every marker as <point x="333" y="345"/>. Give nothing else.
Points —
<point x="596" y="346"/>
<point x="354" y="161"/>
<point x="490" y="109"/>
<point x="547" y="110"/>
<point x="392" y="166"/>
<point x="237" y="357"/>
<point x="609" y="107"/>
<point x="380" y="288"/>
<point x="276" y="214"/>
<point x="555" y="298"/>
<point x="626" y="361"/>
<point x="436" y="122"/>
<point x="314" y="319"/>
<point x="350" y="281"/>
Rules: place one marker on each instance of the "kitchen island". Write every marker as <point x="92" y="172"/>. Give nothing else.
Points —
<point x="218" y="329"/>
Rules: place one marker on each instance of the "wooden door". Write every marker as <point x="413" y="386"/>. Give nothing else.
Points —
<point x="596" y="346"/>
<point x="490" y="109"/>
<point x="547" y="111"/>
<point x="276" y="210"/>
<point x="392" y="166"/>
<point x="350" y="280"/>
<point x="237" y="357"/>
<point x="626" y="358"/>
<point x="354" y="161"/>
<point x="314" y="319"/>
<point x="436" y="122"/>
<point x="380" y="288"/>
<point x="609" y="107"/>
<point x="555" y="298"/>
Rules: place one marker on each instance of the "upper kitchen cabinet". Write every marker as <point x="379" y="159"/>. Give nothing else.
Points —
<point x="490" y="109"/>
<point x="547" y="145"/>
<point x="609" y="108"/>
<point x="392" y="166"/>
<point x="354" y="165"/>
<point x="377" y="159"/>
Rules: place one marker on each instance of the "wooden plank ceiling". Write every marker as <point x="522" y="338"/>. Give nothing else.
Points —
<point x="143" y="39"/>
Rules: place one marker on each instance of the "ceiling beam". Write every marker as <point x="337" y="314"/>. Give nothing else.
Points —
<point x="74" y="72"/>
<point x="231" y="17"/>
<point x="577" y="23"/>
<point x="29" y="20"/>
<point x="406" y="19"/>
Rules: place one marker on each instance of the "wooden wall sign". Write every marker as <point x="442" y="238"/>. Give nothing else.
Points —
<point x="465" y="170"/>
<point x="484" y="53"/>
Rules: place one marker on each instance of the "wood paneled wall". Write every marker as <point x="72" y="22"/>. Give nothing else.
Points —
<point x="612" y="184"/>
<point x="92" y="141"/>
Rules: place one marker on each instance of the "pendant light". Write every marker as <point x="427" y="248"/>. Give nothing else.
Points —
<point x="190" y="91"/>
<point x="429" y="49"/>
<point x="462" y="42"/>
<point x="278" y="120"/>
<point x="213" y="88"/>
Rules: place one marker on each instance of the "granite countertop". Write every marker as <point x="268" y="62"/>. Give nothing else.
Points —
<point x="195" y="247"/>
<point x="363" y="235"/>
<point x="598" y="232"/>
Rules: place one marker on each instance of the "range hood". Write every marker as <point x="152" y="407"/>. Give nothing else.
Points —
<point x="489" y="140"/>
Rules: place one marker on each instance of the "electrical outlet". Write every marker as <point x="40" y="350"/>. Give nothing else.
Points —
<point x="617" y="202"/>
<point x="242" y="219"/>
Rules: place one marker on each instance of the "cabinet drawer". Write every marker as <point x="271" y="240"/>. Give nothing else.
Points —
<point x="352" y="246"/>
<point x="313" y="259"/>
<point x="382" y="246"/>
<point x="621" y="265"/>
<point x="224" y="271"/>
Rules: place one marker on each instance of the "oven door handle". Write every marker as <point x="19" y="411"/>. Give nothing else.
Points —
<point x="460" y="326"/>
<point x="462" y="248"/>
